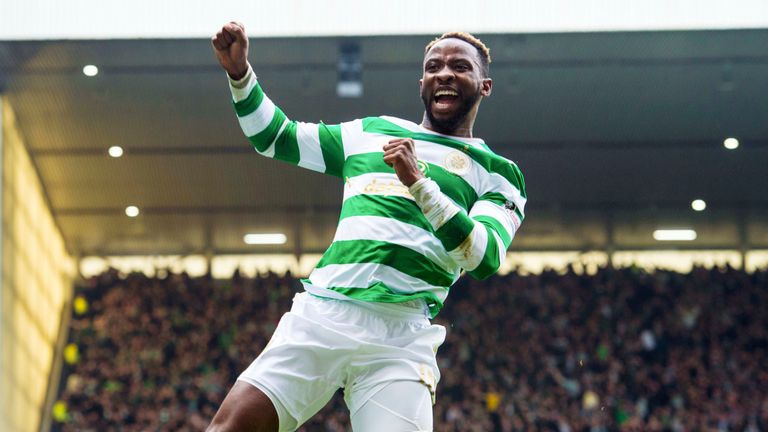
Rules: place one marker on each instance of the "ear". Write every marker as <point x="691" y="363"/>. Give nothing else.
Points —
<point x="486" y="87"/>
<point x="421" y="84"/>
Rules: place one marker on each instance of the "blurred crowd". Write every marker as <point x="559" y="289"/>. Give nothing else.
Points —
<point x="620" y="350"/>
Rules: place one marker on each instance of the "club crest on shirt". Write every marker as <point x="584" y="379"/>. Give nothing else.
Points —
<point x="423" y="166"/>
<point x="457" y="163"/>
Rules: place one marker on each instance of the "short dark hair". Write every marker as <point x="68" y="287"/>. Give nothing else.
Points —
<point x="482" y="51"/>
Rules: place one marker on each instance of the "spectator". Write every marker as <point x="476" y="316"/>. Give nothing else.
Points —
<point x="622" y="350"/>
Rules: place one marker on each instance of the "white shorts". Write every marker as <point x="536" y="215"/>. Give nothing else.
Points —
<point x="323" y="344"/>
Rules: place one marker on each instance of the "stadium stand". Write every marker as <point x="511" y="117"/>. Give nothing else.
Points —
<point x="620" y="350"/>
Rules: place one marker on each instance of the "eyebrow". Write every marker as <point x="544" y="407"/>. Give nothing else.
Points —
<point x="471" y="62"/>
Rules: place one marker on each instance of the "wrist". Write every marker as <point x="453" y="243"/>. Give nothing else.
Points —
<point x="415" y="179"/>
<point x="240" y="77"/>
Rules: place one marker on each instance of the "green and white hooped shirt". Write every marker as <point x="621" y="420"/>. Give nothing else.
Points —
<point x="395" y="244"/>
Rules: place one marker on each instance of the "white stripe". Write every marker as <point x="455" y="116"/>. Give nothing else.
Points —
<point x="435" y="154"/>
<point x="310" y="154"/>
<point x="351" y="134"/>
<point x="495" y="211"/>
<point x="375" y="184"/>
<point x="470" y="253"/>
<point x="378" y="184"/>
<point x="258" y="120"/>
<point x="413" y="127"/>
<point x="365" y="143"/>
<point x="502" y="249"/>
<point x="497" y="183"/>
<point x="411" y="309"/>
<point x="364" y="275"/>
<point x="477" y="177"/>
<point x="400" y="233"/>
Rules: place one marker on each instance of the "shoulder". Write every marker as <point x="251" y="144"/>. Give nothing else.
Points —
<point x="506" y="168"/>
<point x="388" y="124"/>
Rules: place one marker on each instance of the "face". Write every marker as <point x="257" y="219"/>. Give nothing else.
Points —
<point x="452" y="84"/>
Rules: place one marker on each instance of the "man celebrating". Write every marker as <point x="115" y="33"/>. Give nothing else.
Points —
<point x="422" y="202"/>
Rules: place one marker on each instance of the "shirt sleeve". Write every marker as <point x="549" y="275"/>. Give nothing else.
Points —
<point x="315" y="146"/>
<point x="477" y="241"/>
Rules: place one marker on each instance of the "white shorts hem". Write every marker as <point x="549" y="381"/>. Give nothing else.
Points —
<point x="283" y="415"/>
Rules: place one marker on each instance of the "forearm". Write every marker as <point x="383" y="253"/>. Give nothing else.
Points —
<point x="471" y="244"/>
<point x="273" y="134"/>
<point x="260" y="120"/>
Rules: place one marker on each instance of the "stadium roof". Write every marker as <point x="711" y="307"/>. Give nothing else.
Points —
<point x="616" y="134"/>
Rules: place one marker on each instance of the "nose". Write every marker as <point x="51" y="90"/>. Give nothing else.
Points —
<point x="445" y="74"/>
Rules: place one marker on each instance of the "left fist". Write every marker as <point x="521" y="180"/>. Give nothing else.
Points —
<point x="400" y="154"/>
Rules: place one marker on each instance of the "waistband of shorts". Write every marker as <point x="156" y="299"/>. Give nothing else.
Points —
<point x="413" y="310"/>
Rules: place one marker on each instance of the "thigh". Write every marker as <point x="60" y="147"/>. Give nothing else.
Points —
<point x="410" y="357"/>
<point x="303" y="365"/>
<point x="246" y="408"/>
<point x="400" y="406"/>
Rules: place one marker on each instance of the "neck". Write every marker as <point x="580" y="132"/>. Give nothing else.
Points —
<point x="463" y="129"/>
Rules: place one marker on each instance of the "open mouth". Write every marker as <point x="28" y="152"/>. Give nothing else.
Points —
<point x="445" y="99"/>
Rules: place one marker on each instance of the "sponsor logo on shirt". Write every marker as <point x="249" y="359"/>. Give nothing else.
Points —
<point x="387" y="188"/>
<point x="510" y="207"/>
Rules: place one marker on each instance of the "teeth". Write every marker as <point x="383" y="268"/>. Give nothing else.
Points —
<point x="446" y="93"/>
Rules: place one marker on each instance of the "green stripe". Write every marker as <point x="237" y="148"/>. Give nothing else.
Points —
<point x="497" y="226"/>
<point x="450" y="184"/>
<point x="251" y="103"/>
<point x="495" y="197"/>
<point x="263" y="139"/>
<point x="499" y="199"/>
<point x="332" y="148"/>
<point x="365" y="163"/>
<point x="455" y="231"/>
<point x="454" y="186"/>
<point x="488" y="160"/>
<point x="393" y="207"/>
<point x="287" y="145"/>
<point x="381" y="126"/>
<point x="379" y="292"/>
<point x="491" y="260"/>
<point x="512" y="174"/>
<point x="400" y="258"/>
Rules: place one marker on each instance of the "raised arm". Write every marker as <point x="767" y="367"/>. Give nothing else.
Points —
<point x="314" y="146"/>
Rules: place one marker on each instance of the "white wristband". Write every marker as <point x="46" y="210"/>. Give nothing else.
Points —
<point x="437" y="208"/>
<point x="242" y="88"/>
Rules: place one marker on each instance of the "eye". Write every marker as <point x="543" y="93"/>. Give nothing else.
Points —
<point x="462" y="67"/>
<point x="431" y="67"/>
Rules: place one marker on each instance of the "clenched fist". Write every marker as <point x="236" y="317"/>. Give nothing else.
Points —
<point x="231" y="48"/>
<point x="400" y="154"/>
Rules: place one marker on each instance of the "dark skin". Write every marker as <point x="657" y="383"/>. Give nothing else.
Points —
<point x="450" y="65"/>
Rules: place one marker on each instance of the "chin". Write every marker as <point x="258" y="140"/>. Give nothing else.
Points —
<point x="445" y="124"/>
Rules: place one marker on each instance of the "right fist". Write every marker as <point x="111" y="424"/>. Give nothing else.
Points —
<point x="231" y="48"/>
